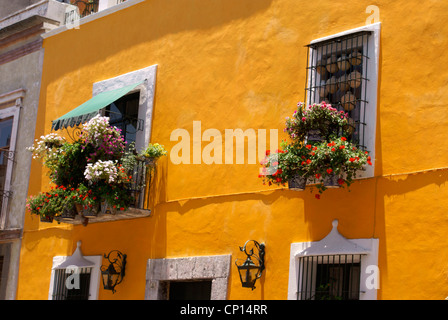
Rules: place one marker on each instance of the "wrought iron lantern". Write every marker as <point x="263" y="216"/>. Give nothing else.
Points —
<point x="113" y="274"/>
<point x="250" y="271"/>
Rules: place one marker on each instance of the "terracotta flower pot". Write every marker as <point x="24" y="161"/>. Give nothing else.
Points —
<point x="332" y="85"/>
<point x="297" y="183"/>
<point x="343" y="63"/>
<point x="69" y="213"/>
<point x="47" y="219"/>
<point x="78" y="208"/>
<point x="331" y="181"/>
<point x="354" y="79"/>
<point x="91" y="211"/>
<point x="332" y="65"/>
<point x="348" y="101"/>
<point x="355" y="58"/>
<point x="107" y="208"/>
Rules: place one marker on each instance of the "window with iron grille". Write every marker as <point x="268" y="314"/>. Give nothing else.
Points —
<point x="343" y="70"/>
<point x="71" y="291"/>
<point x="338" y="74"/>
<point x="329" y="277"/>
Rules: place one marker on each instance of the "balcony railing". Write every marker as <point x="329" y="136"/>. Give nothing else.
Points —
<point x="88" y="7"/>
<point x="141" y="181"/>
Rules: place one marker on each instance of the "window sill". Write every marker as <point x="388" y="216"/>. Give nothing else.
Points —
<point x="131" y="213"/>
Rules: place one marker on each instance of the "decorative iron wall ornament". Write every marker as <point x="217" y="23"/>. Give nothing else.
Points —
<point x="249" y="270"/>
<point x="113" y="274"/>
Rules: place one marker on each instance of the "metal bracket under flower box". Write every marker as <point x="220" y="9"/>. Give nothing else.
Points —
<point x="130" y="213"/>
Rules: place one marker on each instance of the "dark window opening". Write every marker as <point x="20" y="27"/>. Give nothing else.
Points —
<point x="337" y="74"/>
<point x="333" y="277"/>
<point x="61" y="290"/>
<point x="190" y="290"/>
<point x="123" y="114"/>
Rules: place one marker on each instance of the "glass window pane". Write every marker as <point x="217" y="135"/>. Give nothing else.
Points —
<point x="5" y="140"/>
<point x="123" y="114"/>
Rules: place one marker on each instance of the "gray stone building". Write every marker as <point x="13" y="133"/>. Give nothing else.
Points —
<point x="22" y="22"/>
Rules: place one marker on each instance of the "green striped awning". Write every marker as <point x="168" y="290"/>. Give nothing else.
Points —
<point x="90" y="108"/>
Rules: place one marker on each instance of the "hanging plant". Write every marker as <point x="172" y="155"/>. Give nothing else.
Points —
<point x="318" y="119"/>
<point x="93" y="169"/>
<point x="330" y="161"/>
<point x="284" y="165"/>
<point x="335" y="163"/>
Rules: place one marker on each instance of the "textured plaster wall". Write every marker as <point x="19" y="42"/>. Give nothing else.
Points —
<point x="241" y="64"/>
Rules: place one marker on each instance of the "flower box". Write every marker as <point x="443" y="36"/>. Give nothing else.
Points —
<point x="320" y="149"/>
<point x="96" y="167"/>
<point x="297" y="182"/>
<point x="331" y="181"/>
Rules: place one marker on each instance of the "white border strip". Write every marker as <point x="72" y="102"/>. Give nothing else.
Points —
<point x="94" y="16"/>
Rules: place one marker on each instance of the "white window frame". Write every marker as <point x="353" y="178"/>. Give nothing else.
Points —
<point x="372" y="88"/>
<point x="336" y="244"/>
<point x="95" y="275"/>
<point x="146" y="89"/>
<point x="15" y="98"/>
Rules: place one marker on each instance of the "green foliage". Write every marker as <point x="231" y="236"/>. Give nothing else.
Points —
<point x="154" y="151"/>
<point x="333" y="154"/>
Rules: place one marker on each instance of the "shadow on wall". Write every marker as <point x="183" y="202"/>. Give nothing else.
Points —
<point x="156" y="19"/>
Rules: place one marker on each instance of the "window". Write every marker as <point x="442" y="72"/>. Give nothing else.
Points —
<point x="342" y="70"/>
<point x="332" y="277"/>
<point x="75" y="277"/>
<point x="133" y="115"/>
<point x="123" y="114"/>
<point x="9" y="120"/>
<point x="204" y="277"/>
<point x="334" y="268"/>
<point x="133" y="112"/>
<point x="5" y="259"/>
<point x="76" y="292"/>
<point x="190" y="290"/>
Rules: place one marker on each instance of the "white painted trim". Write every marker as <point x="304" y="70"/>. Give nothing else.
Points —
<point x="371" y="93"/>
<point x="147" y="90"/>
<point x="13" y="112"/>
<point x="331" y="245"/>
<point x="95" y="275"/>
<point x="12" y="97"/>
<point x="93" y="17"/>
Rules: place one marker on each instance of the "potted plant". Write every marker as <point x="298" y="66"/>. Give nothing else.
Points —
<point x="105" y="141"/>
<point x="152" y="153"/>
<point x="315" y="123"/>
<point x="95" y="168"/>
<point x="288" y="165"/>
<point x="47" y="205"/>
<point x="335" y="163"/>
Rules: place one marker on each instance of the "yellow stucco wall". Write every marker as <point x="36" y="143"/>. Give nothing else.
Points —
<point x="241" y="64"/>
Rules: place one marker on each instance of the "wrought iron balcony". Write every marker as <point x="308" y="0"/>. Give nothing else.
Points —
<point x="138" y="187"/>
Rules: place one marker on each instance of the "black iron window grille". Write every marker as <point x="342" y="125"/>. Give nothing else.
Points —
<point x="63" y="291"/>
<point x="337" y="74"/>
<point x="329" y="277"/>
